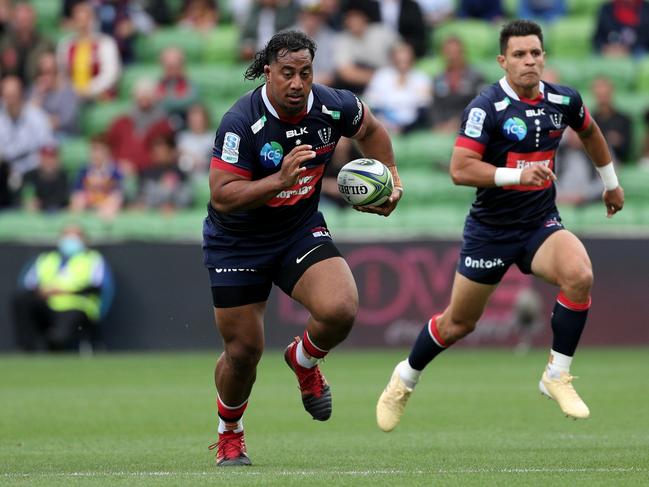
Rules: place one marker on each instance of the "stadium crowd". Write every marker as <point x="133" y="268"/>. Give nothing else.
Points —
<point x="89" y="123"/>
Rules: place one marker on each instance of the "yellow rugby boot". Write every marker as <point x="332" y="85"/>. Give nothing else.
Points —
<point x="562" y="391"/>
<point x="392" y="403"/>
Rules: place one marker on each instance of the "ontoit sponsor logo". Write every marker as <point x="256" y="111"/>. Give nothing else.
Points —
<point x="482" y="263"/>
<point x="219" y="270"/>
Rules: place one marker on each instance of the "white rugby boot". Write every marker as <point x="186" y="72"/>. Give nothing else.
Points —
<point x="392" y="402"/>
<point x="562" y="391"/>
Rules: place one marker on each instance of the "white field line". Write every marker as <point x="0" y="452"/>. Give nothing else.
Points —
<point x="311" y="473"/>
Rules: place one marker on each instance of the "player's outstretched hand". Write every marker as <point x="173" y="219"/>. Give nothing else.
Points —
<point x="386" y="208"/>
<point x="290" y="171"/>
<point x="536" y="175"/>
<point x="614" y="201"/>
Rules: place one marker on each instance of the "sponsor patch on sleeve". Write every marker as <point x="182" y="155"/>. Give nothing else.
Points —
<point x="230" y="152"/>
<point x="475" y="122"/>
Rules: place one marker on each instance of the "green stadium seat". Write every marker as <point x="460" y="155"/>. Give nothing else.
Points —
<point x="225" y="82"/>
<point x="584" y="8"/>
<point x="490" y="69"/>
<point x="642" y="76"/>
<point x="580" y="72"/>
<point x="431" y="65"/>
<point x="132" y="73"/>
<point x="191" y="42"/>
<point x="96" y="118"/>
<point x="423" y="149"/>
<point x="74" y="155"/>
<point x="222" y="45"/>
<point x="570" y="37"/>
<point x="480" y="38"/>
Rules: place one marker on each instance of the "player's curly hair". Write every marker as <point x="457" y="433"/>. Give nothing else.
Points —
<point x="519" y="28"/>
<point x="279" y="45"/>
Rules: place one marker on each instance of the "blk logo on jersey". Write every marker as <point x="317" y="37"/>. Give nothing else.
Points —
<point x="514" y="129"/>
<point x="271" y="154"/>
<point x="296" y="132"/>
<point x="535" y="113"/>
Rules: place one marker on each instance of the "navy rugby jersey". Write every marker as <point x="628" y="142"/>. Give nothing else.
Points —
<point x="511" y="132"/>
<point x="252" y="141"/>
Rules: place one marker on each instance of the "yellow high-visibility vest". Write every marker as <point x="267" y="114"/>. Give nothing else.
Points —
<point x="75" y="275"/>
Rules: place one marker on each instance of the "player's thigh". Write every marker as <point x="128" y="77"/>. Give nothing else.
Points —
<point x="468" y="299"/>
<point x="327" y="289"/>
<point x="561" y="258"/>
<point x="242" y="327"/>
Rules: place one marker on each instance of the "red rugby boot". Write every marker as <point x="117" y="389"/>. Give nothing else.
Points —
<point x="316" y="394"/>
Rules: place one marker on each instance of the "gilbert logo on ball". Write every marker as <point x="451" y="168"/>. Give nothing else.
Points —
<point x="365" y="182"/>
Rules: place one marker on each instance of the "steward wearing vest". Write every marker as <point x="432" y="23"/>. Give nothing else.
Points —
<point x="61" y="298"/>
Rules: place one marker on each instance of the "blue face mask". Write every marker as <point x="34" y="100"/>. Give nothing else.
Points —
<point x="70" y="245"/>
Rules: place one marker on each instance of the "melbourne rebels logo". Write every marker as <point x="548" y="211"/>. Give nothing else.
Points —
<point x="271" y="154"/>
<point x="514" y="129"/>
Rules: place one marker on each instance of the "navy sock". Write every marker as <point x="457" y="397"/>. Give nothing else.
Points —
<point x="427" y="346"/>
<point x="568" y="321"/>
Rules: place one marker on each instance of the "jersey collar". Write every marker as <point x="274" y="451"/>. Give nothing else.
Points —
<point x="512" y="94"/>
<point x="273" y="112"/>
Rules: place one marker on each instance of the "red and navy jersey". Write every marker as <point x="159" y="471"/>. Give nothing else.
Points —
<point x="252" y="141"/>
<point x="508" y="131"/>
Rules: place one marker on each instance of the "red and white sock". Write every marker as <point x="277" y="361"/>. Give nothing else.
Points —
<point x="307" y="353"/>
<point x="230" y="416"/>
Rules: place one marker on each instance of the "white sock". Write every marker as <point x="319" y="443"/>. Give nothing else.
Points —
<point x="558" y="363"/>
<point x="408" y="375"/>
<point x="223" y="426"/>
<point x="304" y="359"/>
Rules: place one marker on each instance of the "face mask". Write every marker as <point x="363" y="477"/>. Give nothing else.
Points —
<point x="70" y="245"/>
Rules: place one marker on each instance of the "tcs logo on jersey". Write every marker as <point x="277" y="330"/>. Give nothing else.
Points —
<point x="271" y="154"/>
<point x="514" y="129"/>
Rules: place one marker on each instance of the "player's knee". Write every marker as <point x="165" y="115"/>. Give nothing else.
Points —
<point x="580" y="280"/>
<point x="244" y="356"/>
<point x="339" y="314"/>
<point x="456" y="329"/>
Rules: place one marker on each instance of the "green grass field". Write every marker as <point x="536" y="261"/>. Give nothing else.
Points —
<point x="475" y="419"/>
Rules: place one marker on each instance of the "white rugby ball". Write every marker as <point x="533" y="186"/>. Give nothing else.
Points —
<point x="365" y="182"/>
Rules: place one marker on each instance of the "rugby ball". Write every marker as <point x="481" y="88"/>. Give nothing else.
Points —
<point x="365" y="182"/>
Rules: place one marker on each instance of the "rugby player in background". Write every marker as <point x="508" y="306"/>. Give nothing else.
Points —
<point x="506" y="149"/>
<point x="264" y="227"/>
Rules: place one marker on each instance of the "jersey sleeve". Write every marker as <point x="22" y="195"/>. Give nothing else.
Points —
<point x="232" y="150"/>
<point x="578" y="116"/>
<point x="478" y="121"/>
<point x="353" y="113"/>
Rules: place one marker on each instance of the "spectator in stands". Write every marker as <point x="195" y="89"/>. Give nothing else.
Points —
<point x="46" y="187"/>
<point x="22" y="46"/>
<point x="54" y="94"/>
<point x="437" y="11"/>
<point x="89" y="58"/>
<point x="361" y="48"/>
<point x="400" y="95"/>
<point x="405" y="17"/>
<point x="615" y="125"/>
<point x="60" y="299"/>
<point x="99" y="185"/>
<point x="163" y="185"/>
<point x="577" y="181"/>
<point x="312" y="21"/>
<point x="454" y="88"/>
<point x="196" y="142"/>
<point x="24" y="130"/>
<point x="175" y="91"/>
<point x="332" y="11"/>
<point x="6" y="10"/>
<point x="622" y="28"/>
<point x="542" y="10"/>
<point x="200" y="15"/>
<point x="489" y="10"/>
<point x="266" y="17"/>
<point x="130" y="135"/>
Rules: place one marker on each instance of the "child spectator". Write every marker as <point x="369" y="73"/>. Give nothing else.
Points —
<point x="99" y="184"/>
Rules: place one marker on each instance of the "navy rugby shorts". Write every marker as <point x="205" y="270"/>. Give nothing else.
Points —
<point x="242" y="269"/>
<point x="488" y="251"/>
